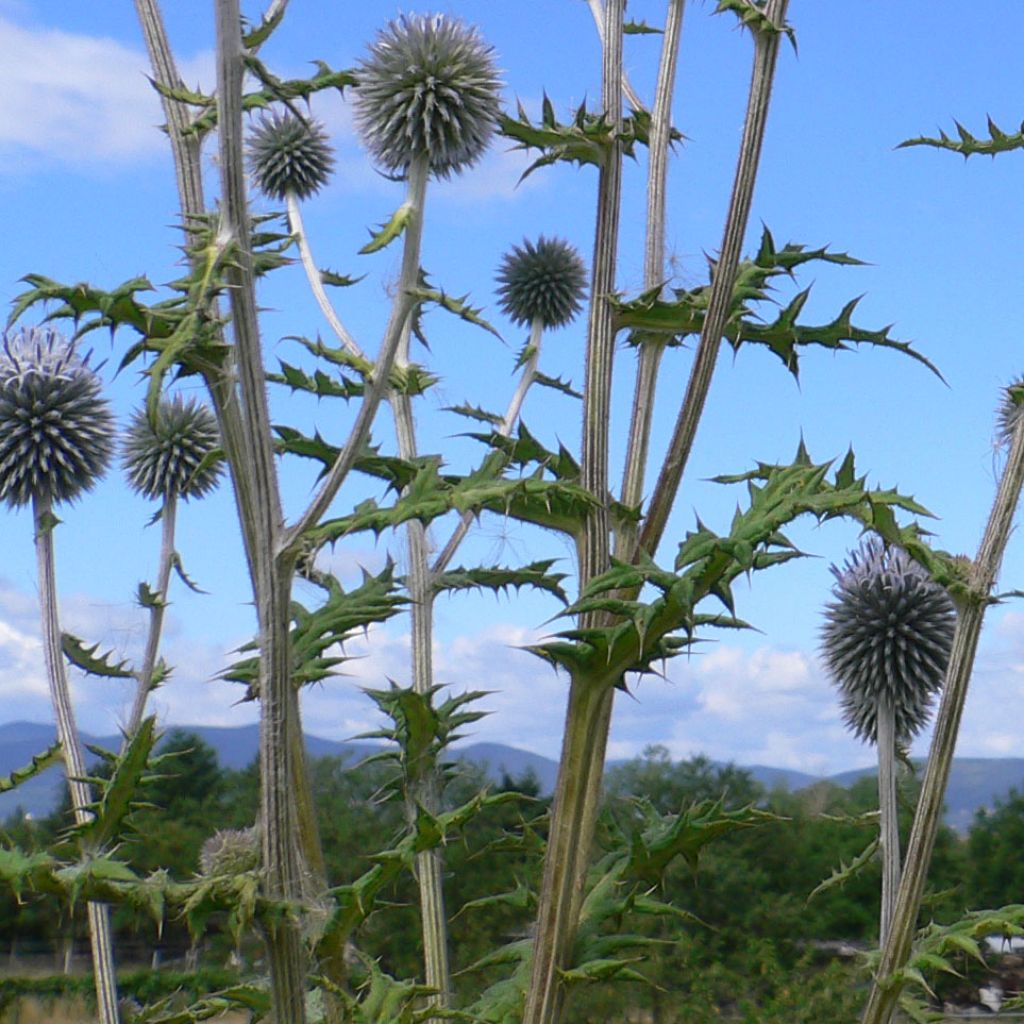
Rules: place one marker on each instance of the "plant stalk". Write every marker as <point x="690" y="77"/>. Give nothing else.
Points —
<point x="283" y="877"/>
<point x="573" y="815"/>
<point x="651" y="350"/>
<point x="100" y="937"/>
<point x="766" y="49"/>
<point x="888" y="815"/>
<point x="885" y="993"/>
<point x="144" y="677"/>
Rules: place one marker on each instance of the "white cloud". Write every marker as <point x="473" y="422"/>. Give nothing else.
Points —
<point x="752" y="706"/>
<point x="77" y="99"/>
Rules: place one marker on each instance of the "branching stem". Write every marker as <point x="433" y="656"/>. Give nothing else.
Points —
<point x="766" y="49"/>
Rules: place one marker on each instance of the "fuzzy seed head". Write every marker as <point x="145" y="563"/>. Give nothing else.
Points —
<point x="230" y="851"/>
<point x="547" y="280"/>
<point x="428" y="87"/>
<point x="55" y="426"/>
<point x="289" y="154"/>
<point x="164" y="459"/>
<point x="887" y="636"/>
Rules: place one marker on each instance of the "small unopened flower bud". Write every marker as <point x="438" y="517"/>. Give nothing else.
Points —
<point x="56" y="428"/>
<point x="289" y="155"/>
<point x="546" y="281"/>
<point x="429" y="88"/>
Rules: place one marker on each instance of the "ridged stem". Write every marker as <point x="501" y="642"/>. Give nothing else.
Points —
<point x="144" y="677"/>
<point x="884" y="993"/>
<point x="766" y="49"/>
<point x="282" y="870"/>
<point x="574" y="811"/>
<point x="425" y="786"/>
<point x="888" y="815"/>
<point x="651" y="350"/>
<point x="100" y="937"/>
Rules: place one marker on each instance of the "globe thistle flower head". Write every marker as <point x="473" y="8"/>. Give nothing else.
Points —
<point x="547" y="280"/>
<point x="887" y="636"/>
<point x="230" y="851"/>
<point x="167" y="457"/>
<point x="288" y="154"/>
<point x="429" y="87"/>
<point x="55" y="426"/>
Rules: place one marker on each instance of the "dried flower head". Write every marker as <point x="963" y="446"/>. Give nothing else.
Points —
<point x="547" y="280"/>
<point x="289" y="154"/>
<point x="887" y="636"/>
<point x="1010" y="411"/>
<point x="230" y="851"/>
<point x="429" y="87"/>
<point x="167" y="457"/>
<point x="55" y="426"/>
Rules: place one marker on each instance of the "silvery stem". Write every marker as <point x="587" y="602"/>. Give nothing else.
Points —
<point x="316" y="283"/>
<point x="888" y="815"/>
<point x="144" y="677"/>
<point x="766" y="49"/>
<point x="573" y="813"/>
<point x="71" y="748"/>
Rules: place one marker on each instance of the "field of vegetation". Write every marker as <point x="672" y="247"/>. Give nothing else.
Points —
<point x="758" y="944"/>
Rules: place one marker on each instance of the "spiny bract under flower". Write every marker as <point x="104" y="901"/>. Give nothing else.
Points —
<point x="55" y="427"/>
<point x="289" y="154"/>
<point x="546" y="280"/>
<point x="887" y="636"/>
<point x="167" y="458"/>
<point x="429" y="88"/>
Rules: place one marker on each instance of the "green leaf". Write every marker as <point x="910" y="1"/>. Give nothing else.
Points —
<point x="39" y="764"/>
<point x="556" y="384"/>
<point x="842" y="874"/>
<point x="87" y="660"/>
<point x="751" y="14"/>
<point x="501" y="578"/>
<point x="334" y="280"/>
<point x="120" y="792"/>
<point x="179" y="569"/>
<point x="475" y="412"/>
<point x="388" y="231"/>
<point x="457" y="306"/>
<point x="640" y="28"/>
<point x="967" y="144"/>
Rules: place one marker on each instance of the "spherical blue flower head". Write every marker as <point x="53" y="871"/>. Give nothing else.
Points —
<point x="289" y="154"/>
<point x="56" y="429"/>
<point x="547" y="280"/>
<point x="887" y="636"/>
<point x="429" y="87"/>
<point x="171" y="456"/>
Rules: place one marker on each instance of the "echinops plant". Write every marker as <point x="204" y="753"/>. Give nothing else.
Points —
<point x="426" y="101"/>
<point x="56" y="441"/>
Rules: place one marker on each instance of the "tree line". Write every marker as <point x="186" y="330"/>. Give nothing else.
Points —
<point x="753" y="921"/>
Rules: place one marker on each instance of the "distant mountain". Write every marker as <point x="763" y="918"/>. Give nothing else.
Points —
<point x="974" y="782"/>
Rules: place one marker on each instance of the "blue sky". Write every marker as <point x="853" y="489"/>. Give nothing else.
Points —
<point x="88" y="194"/>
